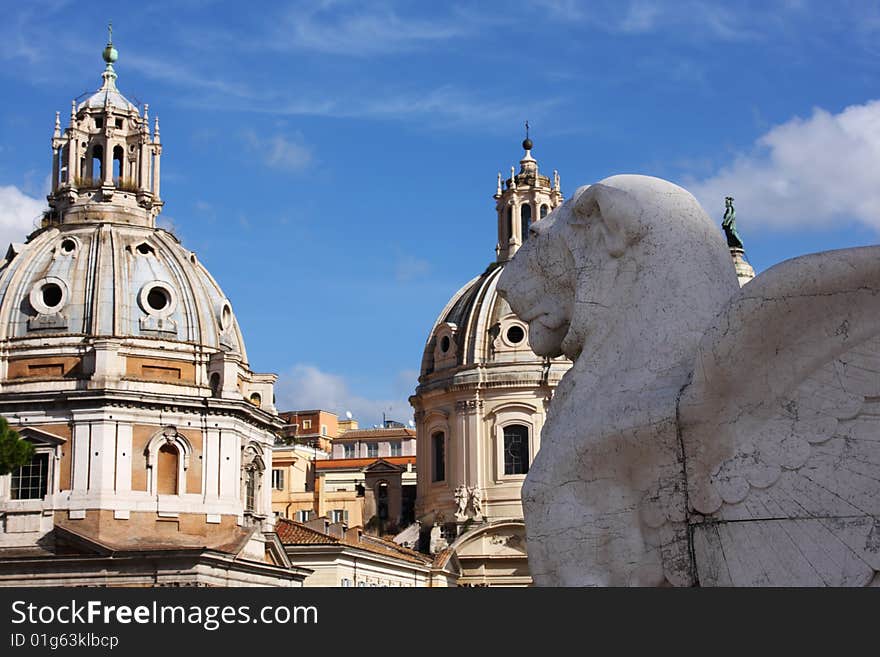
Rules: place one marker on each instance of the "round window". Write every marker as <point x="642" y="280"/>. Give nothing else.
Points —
<point x="515" y="334"/>
<point x="48" y="295"/>
<point x="157" y="298"/>
<point x="444" y="344"/>
<point x="68" y="246"/>
<point x="52" y="294"/>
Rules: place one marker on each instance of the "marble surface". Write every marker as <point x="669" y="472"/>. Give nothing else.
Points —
<point x="694" y="406"/>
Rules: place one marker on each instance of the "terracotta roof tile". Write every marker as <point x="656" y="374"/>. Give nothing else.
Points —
<point x="294" y="533"/>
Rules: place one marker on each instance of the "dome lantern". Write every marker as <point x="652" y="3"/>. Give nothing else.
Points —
<point x="105" y="165"/>
<point x="524" y="198"/>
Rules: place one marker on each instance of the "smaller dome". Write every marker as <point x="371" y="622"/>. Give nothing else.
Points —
<point x="475" y="323"/>
<point x="107" y="96"/>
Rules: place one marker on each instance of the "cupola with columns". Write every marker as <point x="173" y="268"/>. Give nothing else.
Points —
<point x="106" y="159"/>
<point x="522" y="199"/>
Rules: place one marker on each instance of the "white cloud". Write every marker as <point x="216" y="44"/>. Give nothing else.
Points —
<point x="806" y="172"/>
<point x="360" y="31"/>
<point x="305" y="387"/>
<point x="279" y="151"/>
<point x="684" y="19"/>
<point x="640" y="17"/>
<point x="19" y="215"/>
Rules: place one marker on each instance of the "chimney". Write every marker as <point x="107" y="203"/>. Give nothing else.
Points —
<point x="337" y="529"/>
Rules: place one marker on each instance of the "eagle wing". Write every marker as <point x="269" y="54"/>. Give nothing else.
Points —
<point x="780" y="428"/>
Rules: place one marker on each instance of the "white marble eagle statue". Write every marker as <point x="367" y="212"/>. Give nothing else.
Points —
<point x="707" y="434"/>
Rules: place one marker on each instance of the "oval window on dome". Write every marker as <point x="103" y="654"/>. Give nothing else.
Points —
<point x="444" y="344"/>
<point x="225" y="316"/>
<point x="52" y="295"/>
<point x="48" y="295"/>
<point x="68" y="245"/>
<point x="157" y="299"/>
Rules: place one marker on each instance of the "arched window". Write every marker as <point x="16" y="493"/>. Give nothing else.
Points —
<point x="250" y="489"/>
<point x="525" y="220"/>
<point x="118" y="171"/>
<point x="215" y="384"/>
<point x="63" y="158"/>
<point x="516" y="449"/>
<point x="252" y="467"/>
<point x="545" y="209"/>
<point x="167" y="464"/>
<point x="96" y="171"/>
<point x="438" y="450"/>
<point x="168" y="456"/>
<point x="509" y="226"/>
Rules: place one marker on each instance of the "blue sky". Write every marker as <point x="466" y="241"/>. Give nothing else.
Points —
<point x="333" y="163"/>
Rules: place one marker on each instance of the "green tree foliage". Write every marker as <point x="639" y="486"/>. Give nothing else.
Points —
<point x="14" y="452"/>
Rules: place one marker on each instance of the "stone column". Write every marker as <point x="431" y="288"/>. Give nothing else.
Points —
<point x="72" y="171"/>
<point x="108" y="164"/>
<point x="56" y="154"/>
<point x="156" y="170"/>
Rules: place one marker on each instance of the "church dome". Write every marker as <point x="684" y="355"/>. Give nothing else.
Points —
<point x="108" y="279"/>
<point x="477" y="327"/>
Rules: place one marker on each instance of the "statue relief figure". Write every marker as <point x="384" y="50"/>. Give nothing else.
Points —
<point x="461" y="502"/>
<point x="476" y="499"/>
<point x="706" y="434"/>
<point x="728" y="223"/>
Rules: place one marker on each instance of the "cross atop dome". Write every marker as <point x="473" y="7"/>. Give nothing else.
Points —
<point x="110" y="55"/>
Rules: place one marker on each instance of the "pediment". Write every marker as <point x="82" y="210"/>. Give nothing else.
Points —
<point x="40" y="437"/>
<point x="382" y="466"/>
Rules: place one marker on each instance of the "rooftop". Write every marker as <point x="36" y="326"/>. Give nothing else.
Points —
<point x="330" y="464"/>
<point x="376" y="434"/>
<point x="295" y="533"/>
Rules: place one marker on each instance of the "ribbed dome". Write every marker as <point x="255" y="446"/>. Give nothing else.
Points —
<point x="104" y="279"/>
<point x="107" y="96"/>
<point x="476" y="327"/>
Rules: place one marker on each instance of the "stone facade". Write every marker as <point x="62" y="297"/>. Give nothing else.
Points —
<point x="368" y="481"/>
